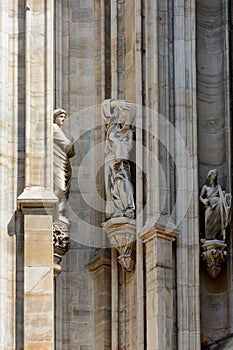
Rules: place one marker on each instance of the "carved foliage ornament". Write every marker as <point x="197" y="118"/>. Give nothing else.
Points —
<point x="61" y="244"/>
<point x="214" y="255"/>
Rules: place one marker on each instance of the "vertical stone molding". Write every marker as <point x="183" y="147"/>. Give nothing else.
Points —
<point x="38" y="270"/>
<point x="100" y="268"/>
<point x="37" y="202"/>
<point x="159" y="290"/>
<point x="186" y="184"/>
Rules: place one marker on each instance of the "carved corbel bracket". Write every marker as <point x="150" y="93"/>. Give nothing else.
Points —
<point x="61" y="244"/>
<point x="122" y="236"/>
<point x="214" y="255"/>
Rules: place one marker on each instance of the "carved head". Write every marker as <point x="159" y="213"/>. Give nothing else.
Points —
<point x="59" y="116"/>
<point x="212" y="177"/>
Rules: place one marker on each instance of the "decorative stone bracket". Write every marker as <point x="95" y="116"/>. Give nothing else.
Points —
<point x="214" y="255"/>
<point x="61" y="244"/>
<point x="122" y="236"/>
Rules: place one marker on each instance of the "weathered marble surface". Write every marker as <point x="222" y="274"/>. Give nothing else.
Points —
<point x="217" y="205"/>
<point x="118" y="117"/>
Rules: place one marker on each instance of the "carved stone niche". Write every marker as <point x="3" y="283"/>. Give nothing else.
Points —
<point x="122" y="236"/>
<point x="61" y="244"/>
<point x="214" y="255"/>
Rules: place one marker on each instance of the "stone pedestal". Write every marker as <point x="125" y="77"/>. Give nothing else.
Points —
<point x="38" y="206"/>
<point x="214" y="255"/>
<point x="100" y="268"/>
<point x="159" y="289"/>
<point x="122" y="236"/>
<point x="61" y="243"/>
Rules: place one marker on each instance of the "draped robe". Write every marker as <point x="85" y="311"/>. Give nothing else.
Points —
<point x="63" y="150"/>
<point x="217" y="212"/>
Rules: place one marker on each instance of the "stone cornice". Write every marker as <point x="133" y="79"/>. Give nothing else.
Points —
<point x="98" y="262"/>
<point x="159" y="232"/>
<point x="37" y="197"/>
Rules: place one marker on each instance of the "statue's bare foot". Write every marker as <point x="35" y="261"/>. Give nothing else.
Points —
<point x="129" y="213"/>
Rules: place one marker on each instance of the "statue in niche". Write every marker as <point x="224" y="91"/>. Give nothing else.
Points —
<point x="63" y="150"/>
<point x="118" y="117"/>
<point x="217" y="207"/>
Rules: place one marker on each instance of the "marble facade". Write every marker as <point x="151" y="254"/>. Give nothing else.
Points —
<point x="136" y="282"/>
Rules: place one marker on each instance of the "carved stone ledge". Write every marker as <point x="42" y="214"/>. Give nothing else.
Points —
<point x="214" y="255"/>
<point x="122" y="236"/>
<point x="61" y="243"/>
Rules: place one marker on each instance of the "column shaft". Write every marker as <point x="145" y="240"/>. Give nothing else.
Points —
<point x="37" y="202"/>
<point x="159" y="289"/>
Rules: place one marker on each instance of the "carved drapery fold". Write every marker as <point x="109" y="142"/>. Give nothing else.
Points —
<point x="118" y="116"/>
<point x="63" y="150"/>
<point x="217" y="205"/>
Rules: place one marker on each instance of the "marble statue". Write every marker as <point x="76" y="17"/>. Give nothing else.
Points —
<point x="118" y="117"/>
<point x="63" y="150"/>
<point x="217" y="207"/>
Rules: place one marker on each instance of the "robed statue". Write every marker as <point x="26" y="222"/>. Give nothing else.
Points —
<point x="217" y="205"/>
<point x="118" y="116"/>
<point x="63" y="150"/>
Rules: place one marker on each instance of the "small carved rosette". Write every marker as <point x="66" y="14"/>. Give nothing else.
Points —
<point x="118" y="117"/>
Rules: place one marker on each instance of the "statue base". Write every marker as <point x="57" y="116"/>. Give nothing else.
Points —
<point x="214" y="255"/>
<point x="61" y="243"/>
<point x="121" y="232"/>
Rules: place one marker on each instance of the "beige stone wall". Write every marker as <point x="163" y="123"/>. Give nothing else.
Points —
<point x="8" y="169"/>
<point x="145" y="52"/>
<point x="77" y="91"/>
<point x="75" y="301"/>
<point x="214" y="150"/>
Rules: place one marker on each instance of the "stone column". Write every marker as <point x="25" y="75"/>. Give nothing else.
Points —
<point x="38" y="275"/>
<point x="186" y="181"/>
<point x="100" y="268"/>
<point x="159" y="289"/>
<point x="37" y="202"/>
